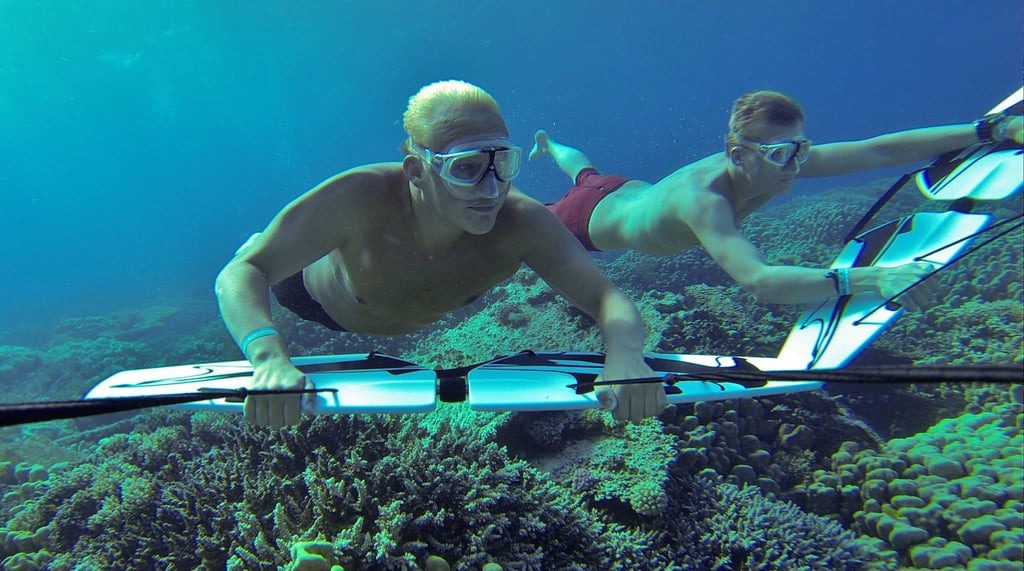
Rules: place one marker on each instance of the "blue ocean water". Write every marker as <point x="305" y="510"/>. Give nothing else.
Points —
<point x="143" y="141"/>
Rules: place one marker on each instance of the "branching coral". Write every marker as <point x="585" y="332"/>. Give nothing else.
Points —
<point x="204" y="490"/>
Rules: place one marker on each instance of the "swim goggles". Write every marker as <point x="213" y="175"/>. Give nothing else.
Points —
<point x="468" y="168"/>
<point x="782" y="152"/>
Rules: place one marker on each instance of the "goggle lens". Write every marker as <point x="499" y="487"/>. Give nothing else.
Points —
<point x="782" y="153"/>
<point x="468" y="168"/>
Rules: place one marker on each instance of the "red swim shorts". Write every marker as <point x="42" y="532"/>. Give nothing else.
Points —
<point x="574" y="209"/>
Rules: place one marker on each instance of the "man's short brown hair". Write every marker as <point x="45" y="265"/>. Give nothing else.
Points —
<point x="762" y="107"/>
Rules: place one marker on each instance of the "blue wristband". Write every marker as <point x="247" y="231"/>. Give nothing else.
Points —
<point x="264" y="332"/>
<point x="841" y="279"/>
<point x="844" y="281"/>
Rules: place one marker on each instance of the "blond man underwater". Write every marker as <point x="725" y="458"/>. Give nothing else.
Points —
<point x="390" y="248"/>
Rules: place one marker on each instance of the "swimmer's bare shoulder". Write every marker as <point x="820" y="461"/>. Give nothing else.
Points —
<point x="362" y="185"/>
<point x="532" y="224"/>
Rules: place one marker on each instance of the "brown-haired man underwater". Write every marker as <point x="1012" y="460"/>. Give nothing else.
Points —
<point x="705" y="201"/>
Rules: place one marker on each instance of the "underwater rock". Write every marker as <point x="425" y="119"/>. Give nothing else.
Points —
<point x="37" y="473"/>
<point x="759" y="460"/>
<point x="435" y="563"/>
<point x="978" y="530"/>
<point x="744" y="473"/>
<point x="944" y="467"/>
<point x="935" y="557"/>
<point x="901" y="501"/>
<point x="26" y="561"/>
<point x="1017" y="393"/>
<point x="313" y="556"/>
<point x="903" y="536"/>
<point x="795" y="437"/>
<point x="902" y="487"/>
<point x="822" y="499"/>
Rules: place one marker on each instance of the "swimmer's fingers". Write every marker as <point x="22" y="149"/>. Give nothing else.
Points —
<point x="609" y="401"/>
<point x="927" y="292"/>
<point x="634" y="402"/>
<point x="275" y="411"/>
<point x="309" y="399"/>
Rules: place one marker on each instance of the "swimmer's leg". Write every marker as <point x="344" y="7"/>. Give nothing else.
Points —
<point x="569" y="159"/>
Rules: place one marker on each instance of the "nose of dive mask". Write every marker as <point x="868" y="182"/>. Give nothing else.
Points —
<point x="464" y="170"/>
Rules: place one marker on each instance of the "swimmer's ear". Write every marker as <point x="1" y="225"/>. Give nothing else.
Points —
<point x="736" y="156"/>
<point x="413" y="167"/>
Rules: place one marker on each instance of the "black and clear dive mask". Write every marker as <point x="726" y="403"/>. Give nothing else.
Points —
<point x="466" y="169"/>
<point x="780" y="153"/>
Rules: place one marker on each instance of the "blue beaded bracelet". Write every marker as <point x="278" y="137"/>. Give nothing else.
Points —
<point x="264" y="332"/>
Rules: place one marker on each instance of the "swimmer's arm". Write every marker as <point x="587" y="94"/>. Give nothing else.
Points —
<point x="713" y="224"/>
<point x="889" y="150"/>
<point x="301" y="233"/>
<point x="561" y="261"/>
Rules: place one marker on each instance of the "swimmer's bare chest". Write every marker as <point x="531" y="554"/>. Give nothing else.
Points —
<point x="402" y="289"/>
<point x="680" y="194"/>
<point x="747" y="208"/>
<point x="674" y="235"/>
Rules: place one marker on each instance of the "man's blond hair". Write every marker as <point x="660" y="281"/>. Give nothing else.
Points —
<point x="438" y="106"/>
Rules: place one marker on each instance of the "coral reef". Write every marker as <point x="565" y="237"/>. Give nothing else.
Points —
<point x="619" y="469"/>
<point x="125" y="325"/>
<point x="930" y="476"/>
<point x="950" y="496"/>
<point x="742" y="529"/>
<point x="201" y="490"/>
<point x="15" y="362"/>
<point x="773" y="443"/>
